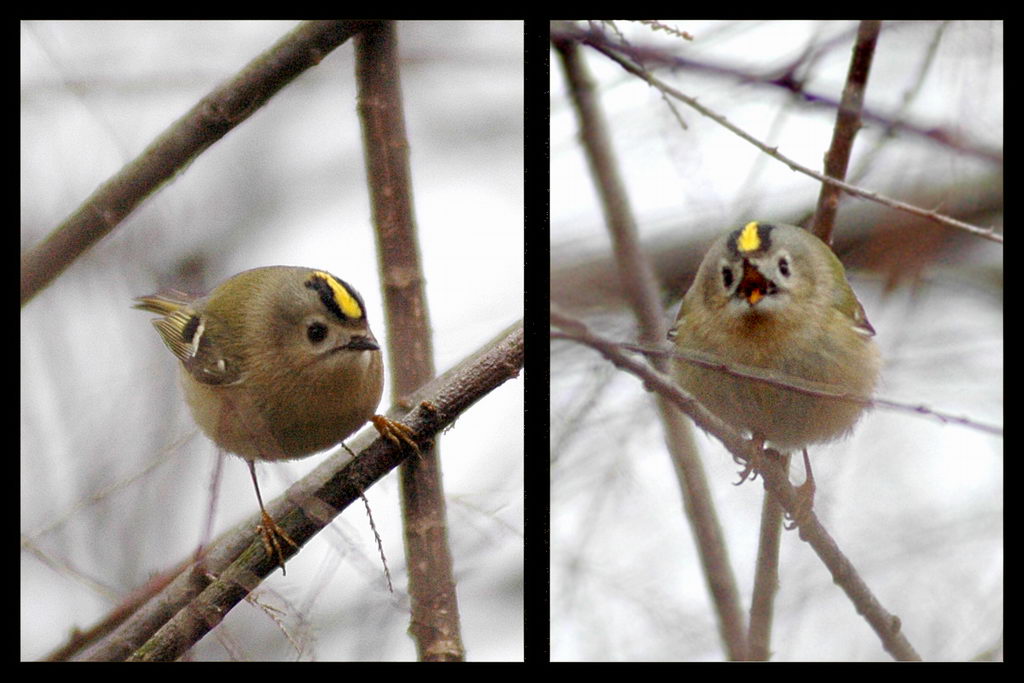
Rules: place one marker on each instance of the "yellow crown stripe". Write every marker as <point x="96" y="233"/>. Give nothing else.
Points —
<point x="749" y="239"/>
<point x="348" y="304"/>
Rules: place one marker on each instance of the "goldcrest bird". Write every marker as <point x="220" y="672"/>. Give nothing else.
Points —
<point x="276" y="363"/>
<point x="774" y="298"/>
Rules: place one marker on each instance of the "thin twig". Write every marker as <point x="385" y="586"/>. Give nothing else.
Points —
<point x="435" y="621"/>
<point x="227" y="105"/>
<point x="236" y="562"/>
<point x="605" y="48"/>
<point x="805" y="387"/>
<point x="638" y="281"/>
<point x="776" y="479"/>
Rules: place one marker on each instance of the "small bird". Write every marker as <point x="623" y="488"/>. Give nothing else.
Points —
<point x="277" y="363"/>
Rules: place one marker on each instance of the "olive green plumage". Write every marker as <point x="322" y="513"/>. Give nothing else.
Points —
<point x="276" y="362"/>
<point x="774" y="299"/>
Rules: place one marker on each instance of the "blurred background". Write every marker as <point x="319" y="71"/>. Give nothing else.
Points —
<point x="915" y="504"/>
<point x="115" y="478"/>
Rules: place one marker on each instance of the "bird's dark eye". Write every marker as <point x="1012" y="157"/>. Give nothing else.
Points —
<point x="727" y="276"/>
<point x="316" y="332"/>
<point x="784" y="266"/>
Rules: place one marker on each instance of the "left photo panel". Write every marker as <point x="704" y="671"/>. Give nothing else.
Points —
<point x="272" y="287"/>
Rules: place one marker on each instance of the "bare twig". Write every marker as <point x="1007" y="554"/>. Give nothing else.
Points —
<point x="208" y="121"/>
<point x="776" y="479"/>
<point x="848" y="118"/>
<point x="805" y="387"/>
<point x="434" y="622"/>
<point x="236" y="562"/>
<point x="641" y="289"/>
<point x="598" y="42"/>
